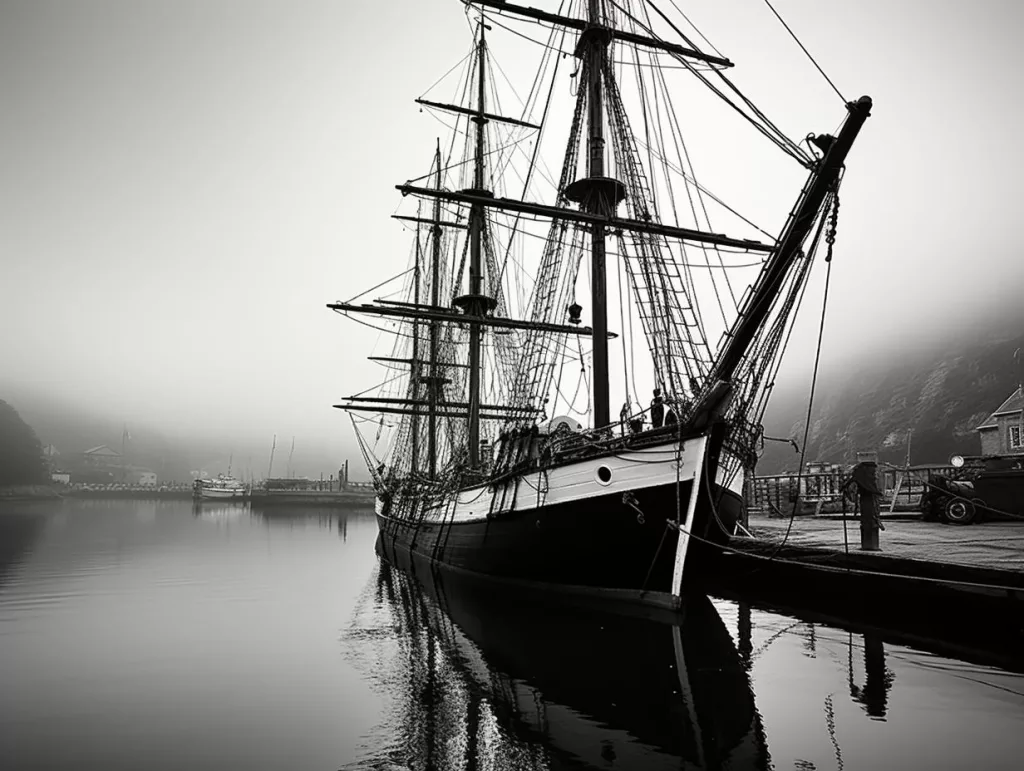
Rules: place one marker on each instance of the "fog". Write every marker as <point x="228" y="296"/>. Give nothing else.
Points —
<point x="186" y="184"/>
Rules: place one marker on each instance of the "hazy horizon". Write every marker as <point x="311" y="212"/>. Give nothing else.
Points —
<point x="185" y="186"/>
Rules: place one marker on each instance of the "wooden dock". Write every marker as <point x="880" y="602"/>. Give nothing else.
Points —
<point x="993" y="545"/>
<point x="956" y="584"/>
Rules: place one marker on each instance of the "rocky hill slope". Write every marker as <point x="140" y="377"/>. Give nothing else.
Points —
<point x="21" y="454"/>
<point x="935" y="396"/>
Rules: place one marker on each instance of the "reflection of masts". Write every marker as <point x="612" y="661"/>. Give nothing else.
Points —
<point x="745" y="648"/>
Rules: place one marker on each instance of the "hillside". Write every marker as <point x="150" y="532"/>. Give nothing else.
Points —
<point x="937" y="395"/>
<point x="71" y="426"/>
<point x="72" y="430"/>
<point x="21" y="454"/>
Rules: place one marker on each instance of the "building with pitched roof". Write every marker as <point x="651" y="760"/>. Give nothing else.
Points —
<point x="1002" y="433"/>
<point x="102" y="457"/>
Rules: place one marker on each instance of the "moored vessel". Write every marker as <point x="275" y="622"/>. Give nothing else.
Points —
<point x="481" y="458"/>
<point x="223" y="487"/>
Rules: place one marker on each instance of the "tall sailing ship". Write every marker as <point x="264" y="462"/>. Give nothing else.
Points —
<point x="492" y="442"/>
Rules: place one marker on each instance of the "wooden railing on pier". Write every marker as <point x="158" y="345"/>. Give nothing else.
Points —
<point x="815" y="493"/>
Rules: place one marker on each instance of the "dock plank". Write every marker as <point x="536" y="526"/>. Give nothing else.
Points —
<point x="993" y="545"/>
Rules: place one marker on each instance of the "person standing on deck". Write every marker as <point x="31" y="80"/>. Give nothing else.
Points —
<point x="657" y="409"/>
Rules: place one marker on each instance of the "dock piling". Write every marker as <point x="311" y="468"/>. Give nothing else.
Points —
<point x="864" y="475"/>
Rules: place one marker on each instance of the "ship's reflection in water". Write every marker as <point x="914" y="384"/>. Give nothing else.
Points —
<point x="329" y="518"/>
<point x="136" y="635"/>
<point x="487" y="679"/>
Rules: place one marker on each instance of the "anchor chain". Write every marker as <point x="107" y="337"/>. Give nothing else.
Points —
<point x="833" y="223"/>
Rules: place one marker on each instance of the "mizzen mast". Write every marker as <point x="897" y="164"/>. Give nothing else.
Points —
<point x="434" y="384"/>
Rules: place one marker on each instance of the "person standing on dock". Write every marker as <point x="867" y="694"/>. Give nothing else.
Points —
<point x="657" y="409"/>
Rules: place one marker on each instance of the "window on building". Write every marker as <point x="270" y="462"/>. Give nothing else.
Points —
<point x="1014" y="437"/>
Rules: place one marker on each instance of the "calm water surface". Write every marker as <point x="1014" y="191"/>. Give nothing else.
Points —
<point x="159" y="636"/>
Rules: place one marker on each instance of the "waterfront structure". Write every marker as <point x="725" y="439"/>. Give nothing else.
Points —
<point x="102" y="456"/>
<point x="1002" y="432"/>
<point x="134" y="475"/>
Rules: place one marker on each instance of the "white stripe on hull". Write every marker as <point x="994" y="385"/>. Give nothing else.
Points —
<point x="221" y="494"/>
<point x="629" y="471"/>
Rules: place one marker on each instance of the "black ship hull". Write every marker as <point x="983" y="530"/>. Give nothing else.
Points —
<point x="616" y="540"/>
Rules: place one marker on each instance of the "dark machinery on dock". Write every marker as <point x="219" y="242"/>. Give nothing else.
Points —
<point x="979" y="488"/>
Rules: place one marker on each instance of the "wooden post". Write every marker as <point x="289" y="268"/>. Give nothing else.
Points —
<point x="865" y="476"/>
<point x="700" y="447"/>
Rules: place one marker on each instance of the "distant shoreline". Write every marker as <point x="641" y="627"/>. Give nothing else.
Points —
<point x="343" y="498"/>
<point x="28" y="493"/>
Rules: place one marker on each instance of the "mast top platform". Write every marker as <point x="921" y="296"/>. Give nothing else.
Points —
<point x="603" y="189"/>
<point x="475" y="304"/>
<point x="592" y="34"/>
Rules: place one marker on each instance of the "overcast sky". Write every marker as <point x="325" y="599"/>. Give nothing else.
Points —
<point x="184" y="185"/>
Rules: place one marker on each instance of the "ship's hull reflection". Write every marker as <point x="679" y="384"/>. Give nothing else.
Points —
<point x="503" y="680"/>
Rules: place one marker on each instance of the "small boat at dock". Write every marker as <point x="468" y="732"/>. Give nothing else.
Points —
<point x="221" y="488"/>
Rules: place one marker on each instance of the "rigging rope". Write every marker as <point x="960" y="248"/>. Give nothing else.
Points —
<point x="804" y="49"/>
<point x="817" y="359"/>
<point x="766" y="127"/>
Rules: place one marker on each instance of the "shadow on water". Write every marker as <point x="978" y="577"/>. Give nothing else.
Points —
<point x="19" y="531"/>
<point x="330" y="518"/>
<point x="502" y="681"/>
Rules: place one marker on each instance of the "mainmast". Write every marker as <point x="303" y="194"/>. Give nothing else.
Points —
<point x="476" y="304"/>
<point x="598" y="205"/>
<point x="598" y="195"/>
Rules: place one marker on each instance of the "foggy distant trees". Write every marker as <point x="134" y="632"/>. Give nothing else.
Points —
<point x="21" y="453"/>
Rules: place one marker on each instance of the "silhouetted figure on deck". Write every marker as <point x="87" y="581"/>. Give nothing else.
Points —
<point x="670" y="417"/>
<point x="657" y="409"/>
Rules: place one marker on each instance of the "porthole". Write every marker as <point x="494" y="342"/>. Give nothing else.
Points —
<point x="604" y="475"/>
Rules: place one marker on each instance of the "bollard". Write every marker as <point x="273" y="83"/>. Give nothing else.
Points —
<point x="867" y="488"/>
